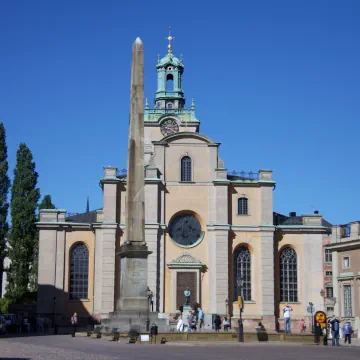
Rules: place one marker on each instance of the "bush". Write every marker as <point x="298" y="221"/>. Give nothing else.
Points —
<point x="4" y="305"/>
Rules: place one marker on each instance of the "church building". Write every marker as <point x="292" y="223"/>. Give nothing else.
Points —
<point x="208" y="229"/>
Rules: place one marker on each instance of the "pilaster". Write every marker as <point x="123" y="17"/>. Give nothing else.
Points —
<point x="98" y="271"/>
<point x="267" y="271"/>
<point x="60" y="269"/>
<point x="110" y="182"/>
<point x="336" y="289"/>
<point x="108" y="267"/>
<point x="151" y="237"/>
<point x="218" y="268"/>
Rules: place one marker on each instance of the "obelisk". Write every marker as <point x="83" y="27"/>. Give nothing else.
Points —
<point x="134" y="252"/>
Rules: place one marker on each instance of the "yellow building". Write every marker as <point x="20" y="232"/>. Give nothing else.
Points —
<point x="207" y="229"/>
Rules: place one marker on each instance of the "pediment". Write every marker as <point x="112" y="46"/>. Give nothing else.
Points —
<point x="186" y="258"/>
<point x="186" y="137"/>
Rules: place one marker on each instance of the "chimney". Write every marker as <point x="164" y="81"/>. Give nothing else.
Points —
<point x="316" y="212"/>
<point x="292" y="214"/>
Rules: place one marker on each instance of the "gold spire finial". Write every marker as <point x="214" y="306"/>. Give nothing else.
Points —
<point x="170" y="38"/>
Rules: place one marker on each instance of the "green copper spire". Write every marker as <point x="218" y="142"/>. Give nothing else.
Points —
<point x="169" y="97"/>
<point x="169" y="93"/>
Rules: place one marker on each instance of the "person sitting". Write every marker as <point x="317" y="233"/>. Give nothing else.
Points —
<point x="226" y="324"/>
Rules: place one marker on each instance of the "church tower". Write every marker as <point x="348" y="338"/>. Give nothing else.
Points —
<point x="169" y="114"/>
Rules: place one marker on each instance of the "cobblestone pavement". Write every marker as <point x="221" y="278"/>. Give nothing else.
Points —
<point x="67" y="348"/>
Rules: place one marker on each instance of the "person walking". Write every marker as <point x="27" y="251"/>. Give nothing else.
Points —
<point x="286" y="311"/>
<point x="302" y="325"/>
<point x="180" y="325"/>
<point x="347" y="329"/>
<point x="201" y="317"/>
<point x="335" y="327"/>
<point x="190" y="320"/>
<point x="74" y="321"/>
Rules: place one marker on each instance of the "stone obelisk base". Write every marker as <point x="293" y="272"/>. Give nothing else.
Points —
<point x="133" y="278"/>
<point x="132" y="307"/>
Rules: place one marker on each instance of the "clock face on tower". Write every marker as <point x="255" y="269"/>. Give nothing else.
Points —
<point x="169" y="126"/>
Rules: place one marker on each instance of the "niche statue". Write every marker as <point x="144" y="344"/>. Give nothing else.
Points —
<point x="187" y="294"/>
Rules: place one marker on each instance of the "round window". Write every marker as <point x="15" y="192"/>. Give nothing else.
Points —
<point x="185" y="230"/>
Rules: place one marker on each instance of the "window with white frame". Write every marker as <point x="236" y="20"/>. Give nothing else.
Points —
<point x="346" y="262"/>
<point x="288" y="275"/>
<point x="347" y="301"/>
<point x="242" y="270"/>
<point x="328" y="273"/>
<point x="79" y="272"/>
<point x="329" y="292"/>
<point x="328" y="255"/>
<point x="186" y="168"/>
<point x="243" y="206"/>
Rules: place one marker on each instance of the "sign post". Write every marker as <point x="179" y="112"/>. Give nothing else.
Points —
<point x="320" y="317"/>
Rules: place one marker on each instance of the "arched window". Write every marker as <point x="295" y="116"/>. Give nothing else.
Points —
<point x="186" y="168"/>
<point x="243" y="206"/>
<point x="288" y="275"/>
<point x="79" y="272"/>
<point x="169" y="83"/>
<point x="242" y="270"/>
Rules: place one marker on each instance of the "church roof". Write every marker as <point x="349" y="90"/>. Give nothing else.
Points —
<point x="169" y="58"/>
<point x="87" y="217"/>
<point x="280" y="219"/>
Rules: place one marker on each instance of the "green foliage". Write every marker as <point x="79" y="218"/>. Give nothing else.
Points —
<point x="46" y="203"/>
<point x="4" y="189"/>
<point x="4" y="304"/>
<point x="23" y="236"/>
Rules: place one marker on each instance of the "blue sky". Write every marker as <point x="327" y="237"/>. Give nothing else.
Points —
<point x="276" y="82"/>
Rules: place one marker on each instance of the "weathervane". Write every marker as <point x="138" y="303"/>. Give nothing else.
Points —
<point x="170" y="38"/>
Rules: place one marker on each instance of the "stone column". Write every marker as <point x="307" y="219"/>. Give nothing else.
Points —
<point x="51" y="259"/>
<point x="336" y="288"/>
<point x="98" y="271"/>
<point x="105" y="278"/>
<point x="267" y="276"/>
<point x="218" y="268"/>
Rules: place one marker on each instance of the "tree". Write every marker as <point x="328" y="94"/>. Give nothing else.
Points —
<point x="46" y="203"/>
<point x="4" y="205"/>
<point x="23" y="234"/>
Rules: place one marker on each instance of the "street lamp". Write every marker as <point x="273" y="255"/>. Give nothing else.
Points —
<point x="226" y="306"/>
<point x="239" y="283"/>
<point x="53" y="314"/>
<point x="310" y="309"/>
<point x="148" y="293"/>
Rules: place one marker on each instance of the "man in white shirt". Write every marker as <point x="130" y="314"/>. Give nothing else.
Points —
<point x="286" y="312"/>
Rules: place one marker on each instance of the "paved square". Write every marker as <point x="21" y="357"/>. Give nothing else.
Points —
<point x="65" y="347"/>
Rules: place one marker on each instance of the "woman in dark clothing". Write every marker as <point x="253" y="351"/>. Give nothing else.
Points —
<point x="217" y="323"/>
<point x="318" y="333"/>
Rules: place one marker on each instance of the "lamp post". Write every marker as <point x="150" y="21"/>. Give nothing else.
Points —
<point x="239" y="283"/>
<point x="53" y="314"/>
<point x="148" y="293"/>
<point x="226" y="306"/>
<point x="311" y="311"/>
